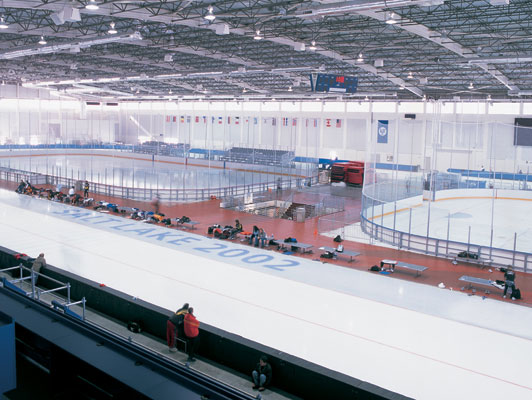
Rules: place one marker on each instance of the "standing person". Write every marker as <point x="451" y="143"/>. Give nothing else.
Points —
<point x="509" y="281"/>
<point x="192" y="333"/>
<point x="262" y="374"/>
<point x="38" y="263"/>
<point x="174" y="326"/>
<point x="86" y="189"/>
<point x="155" y="202"/>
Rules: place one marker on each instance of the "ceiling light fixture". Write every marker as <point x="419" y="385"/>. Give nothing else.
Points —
<point x="410" y="75"/>
<point x="312" y="46"/>
<point x="210" y="16"/>
<point x="470" y="87"/>
<point x="391" y="18"/>
<point x="112" y="30"/>
<point x="92" y="5"/>
<point x="3" y="24"/>
<point x="289" y="88"/>
<point x="360" y="58"/>
<point x="42" y="41"/>
<point x="257" y="35"/>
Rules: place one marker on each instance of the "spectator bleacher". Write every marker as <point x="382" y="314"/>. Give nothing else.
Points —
<point x="249" y="155"/>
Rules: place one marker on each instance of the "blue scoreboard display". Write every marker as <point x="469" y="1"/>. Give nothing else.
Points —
<point x="334" y="83"/>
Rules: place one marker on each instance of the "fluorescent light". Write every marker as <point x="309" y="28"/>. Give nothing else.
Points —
<point x="312" y="46"/>
<point x="391" y="18"/>
<point x="3" y="24"/>
<point x="257" y="35"/>
<point x="210" y="16"/>
<point x="92" y="5"/>
<point x="42" y="41"/>
<point x="112" y="30"/>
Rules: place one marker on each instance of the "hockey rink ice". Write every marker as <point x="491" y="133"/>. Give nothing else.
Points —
<point x="414" y="339"/>
<point x="454" y="218"/>
<point x="131" y="170"/>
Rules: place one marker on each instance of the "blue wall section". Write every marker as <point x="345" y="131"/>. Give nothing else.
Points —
<point x="8" y="375"/>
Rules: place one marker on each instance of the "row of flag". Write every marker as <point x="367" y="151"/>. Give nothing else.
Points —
<point x="285" y="121"/>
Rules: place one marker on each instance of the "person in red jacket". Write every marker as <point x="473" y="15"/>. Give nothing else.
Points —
<point x="192" y="333"/>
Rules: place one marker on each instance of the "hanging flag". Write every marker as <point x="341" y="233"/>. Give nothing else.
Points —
<point x="212" y="120"/>
<point x="237" y="120"/>
<point x="338" y="123"/>
<point x="284" y="121"/>
<point x="306" y="122"/>
<point x="382" y="130"/>
<point x="274" y="122"/>
<point x="204" y="119"/>
<point x="315" y="122"/>
<point x="167" y="118"/>
<point x="328" y="122"/>
<point x="182" y="119"/>
<point x="255" y="121"/>
<point x="220" y="120"/>
<point x="174" y="119"/>
<point x="197" y="119"/>
<point x="294" y="121"/>
<point x="247" y="120"/>
<point x="188" y="119"/>
<point x="228" y="120"/>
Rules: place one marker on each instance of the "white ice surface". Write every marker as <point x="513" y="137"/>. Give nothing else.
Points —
<point x="409" y="338"/>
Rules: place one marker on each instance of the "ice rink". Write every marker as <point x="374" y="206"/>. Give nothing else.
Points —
<point x="465" y="216"/>
<point x="130" y="170"/>
<point x="414" y="339"/>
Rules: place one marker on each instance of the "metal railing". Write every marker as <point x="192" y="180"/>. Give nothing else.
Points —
<point x="36" y="292"/>
<point x="443" y="247"/>
<point x="148" y="193"/>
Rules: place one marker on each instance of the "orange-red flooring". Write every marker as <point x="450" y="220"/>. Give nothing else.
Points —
<point x="440" y="270"/>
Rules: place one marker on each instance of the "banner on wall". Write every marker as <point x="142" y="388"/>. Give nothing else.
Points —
<point x="382" y="131"/>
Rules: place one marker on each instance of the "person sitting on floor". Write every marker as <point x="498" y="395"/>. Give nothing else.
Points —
<point x="262" y="237"/>
<point x="254" y="234"/>
<point x="262" y="374"/>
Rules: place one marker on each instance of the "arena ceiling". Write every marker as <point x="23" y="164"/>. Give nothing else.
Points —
<point x="268" y="48"/>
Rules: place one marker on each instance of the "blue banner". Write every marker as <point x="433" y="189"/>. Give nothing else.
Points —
<point x="382" y="131"/>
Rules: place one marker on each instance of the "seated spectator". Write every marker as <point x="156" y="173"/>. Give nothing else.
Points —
<point x="262" y="374"/>
<point x="238" y="226"/>
<point x="254" y="234"/>
<point x="262" y="236"/>
<point x="71" y="192"/>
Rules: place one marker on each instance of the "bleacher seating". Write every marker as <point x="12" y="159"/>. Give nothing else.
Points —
<point x="163" y="149"/>
<point x="259" y="156"/>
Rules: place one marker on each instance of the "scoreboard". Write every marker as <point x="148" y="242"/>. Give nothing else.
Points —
<point x="334" y="83"/>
